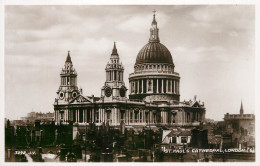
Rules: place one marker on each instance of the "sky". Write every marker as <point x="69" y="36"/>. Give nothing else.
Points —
<point x="212" y="48"/>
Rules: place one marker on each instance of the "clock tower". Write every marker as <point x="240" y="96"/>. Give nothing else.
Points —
<point x="114" y="88"/>
<point x="68" y="88"/>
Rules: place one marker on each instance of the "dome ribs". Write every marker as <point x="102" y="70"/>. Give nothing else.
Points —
<point x="154" y="52"/>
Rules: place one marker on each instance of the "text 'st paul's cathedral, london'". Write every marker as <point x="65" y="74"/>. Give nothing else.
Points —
<point x="151" y="100"/>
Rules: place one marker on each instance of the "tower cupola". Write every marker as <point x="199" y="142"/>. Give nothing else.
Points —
<point x="68" y="88"/>
<point x="114" y="88"/>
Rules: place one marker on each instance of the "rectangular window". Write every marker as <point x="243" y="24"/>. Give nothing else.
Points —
<point x="122" y="115"/>
<point x="97" y="116"/>
<point x="115" y="75"/>
<point x="173" y="140"/>
<point x="183" y="139"/>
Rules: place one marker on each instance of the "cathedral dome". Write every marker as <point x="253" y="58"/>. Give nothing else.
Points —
<point x="154" y="52"/>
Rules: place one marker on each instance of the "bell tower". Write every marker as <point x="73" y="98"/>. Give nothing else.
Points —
<point x="114" y="88"/>
<point x="68" y="88"/>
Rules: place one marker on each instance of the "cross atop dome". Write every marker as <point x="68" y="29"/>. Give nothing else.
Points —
<point x="154" y="11"/>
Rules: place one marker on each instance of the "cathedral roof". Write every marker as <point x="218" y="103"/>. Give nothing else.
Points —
<point x="154" y="51"/>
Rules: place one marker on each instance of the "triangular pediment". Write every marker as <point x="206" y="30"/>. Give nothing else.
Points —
<point x="80" y="99"/>
<point x="195" y="104"/>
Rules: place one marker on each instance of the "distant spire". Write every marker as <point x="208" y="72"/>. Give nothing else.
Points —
<point x="241" y="109"/>
<point x="114" y="51"/>
<point x="68" y="57"/>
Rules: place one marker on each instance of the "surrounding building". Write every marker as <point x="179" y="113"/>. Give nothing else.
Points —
<point x="175" y="139"/>
<point x="44" y="117"/>
<point x="242" y="128"/>
<point x="154" y="98"/>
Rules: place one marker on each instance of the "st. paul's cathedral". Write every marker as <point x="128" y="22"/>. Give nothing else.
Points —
<point x="154" y="93"/>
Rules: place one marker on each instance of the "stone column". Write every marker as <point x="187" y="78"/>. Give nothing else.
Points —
<point x="130" y="87"/>
<point x="174" y="85"/>
<point x="162" y="86"/>
<point x="178" y="90"/>
<point x="152" y="86"/>
<point x="78" y="115"/>
<point x="135" y="87"/>
<point x="64" y="119"/>
<point x="138" y="116"/>
<point x="142" y="88"/>
<point x="177" y="86"/>
<point x="147" y="84"/>
<point x="167" y="87"/>
<point x="93" y="115"/>
<point x="143" y="112"/>
<point x="138" y="86"/>
<point x="57" y="120"/>
<point x="87" y="115"/>
<point x="67" y="115"/>
<point x="99" y="115"/>
<point x="161" y="119"/>
<point x="76" y="112"/>
<point x="133" y="116"/>
<point x="164" y="119"/>
<point x="64" y="115"/>
<point x="171" y="86"/>
<point x="157" y="86"/>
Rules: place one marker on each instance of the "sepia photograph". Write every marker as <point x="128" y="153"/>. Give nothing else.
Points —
<point x="129" y="83"/>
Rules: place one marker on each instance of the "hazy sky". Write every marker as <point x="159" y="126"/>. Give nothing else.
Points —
<point x="212" y="49"/>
